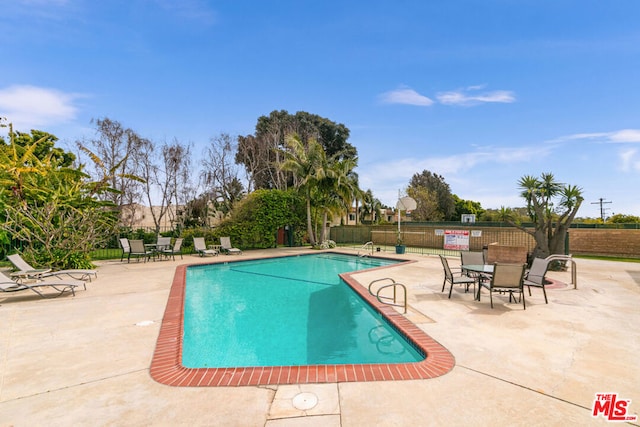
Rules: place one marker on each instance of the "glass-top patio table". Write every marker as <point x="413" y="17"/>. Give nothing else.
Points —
<point x="480" y="270"/>
<point x="156" y="249"/>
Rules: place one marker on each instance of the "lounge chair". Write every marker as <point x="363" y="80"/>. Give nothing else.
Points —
<point x="26" y="271"/>
<point x="201" y="247"/>
<point x="176" y="249"/>
<point x="7" y="286"/>
<point x="454" y="279"/>
<point x="225" y="246"/>
<point x="535" y="276"/>
<point x="126" y="249"/>
<point x="138" y="249"/>
<point x="506" y="278"/>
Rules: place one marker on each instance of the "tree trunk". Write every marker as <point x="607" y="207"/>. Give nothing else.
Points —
<point x="323" y="235"/>
<point x="312" y="239"/>
<point x="542" y="248"/>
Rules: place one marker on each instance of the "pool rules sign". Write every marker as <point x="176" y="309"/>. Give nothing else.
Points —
<point x="457" y="240"/>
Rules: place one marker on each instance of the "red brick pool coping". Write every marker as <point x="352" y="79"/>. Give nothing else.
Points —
<point x="166" y="365"/>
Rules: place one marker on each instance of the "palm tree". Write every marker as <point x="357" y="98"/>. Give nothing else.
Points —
<point x="339" y="188"/>
<point x="309" y="167"/>
<point x="371" y="206"/>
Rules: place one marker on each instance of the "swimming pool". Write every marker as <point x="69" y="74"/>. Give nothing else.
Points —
<point x="285" y="311"/>
<point x="167" y="367"/>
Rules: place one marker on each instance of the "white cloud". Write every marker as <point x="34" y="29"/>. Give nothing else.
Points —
<point x="389" y="176"/>
<point x="29" y="107"/>
<point x="619" y="137"/>
<point x="405" y="96"/>
<point x="630" y="160"/>
<point x="468" y="96"/>
<point x="625" y="135"/>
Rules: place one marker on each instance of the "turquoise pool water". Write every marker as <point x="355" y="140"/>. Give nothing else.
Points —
<point x="287" y="311"/>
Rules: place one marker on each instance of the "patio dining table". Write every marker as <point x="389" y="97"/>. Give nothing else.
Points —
<point x="156" y="249"/>
<point x="480" y="270"/>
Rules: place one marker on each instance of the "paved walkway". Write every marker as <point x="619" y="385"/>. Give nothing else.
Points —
<point x="85" y="360"/>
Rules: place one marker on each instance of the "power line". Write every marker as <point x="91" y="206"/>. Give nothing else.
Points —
<point x="601" y="202"/>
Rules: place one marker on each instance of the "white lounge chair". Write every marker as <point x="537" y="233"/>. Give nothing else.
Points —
<point x="61" y="286"/>
<point x="201" y="247"/>
<point x="225" y="246"/>
<point x="126" y="249"/>
<point x="26" y="271"/>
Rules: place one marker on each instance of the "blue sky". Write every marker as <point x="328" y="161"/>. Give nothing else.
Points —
<point x="481" y="92"/>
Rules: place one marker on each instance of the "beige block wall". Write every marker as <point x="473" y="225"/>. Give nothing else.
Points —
<point x="598" y="241"/>
<point x="508" y="254"/>
<point x="582" y="241"/>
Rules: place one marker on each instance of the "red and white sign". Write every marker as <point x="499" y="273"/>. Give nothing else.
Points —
<point x="457" y="240"/>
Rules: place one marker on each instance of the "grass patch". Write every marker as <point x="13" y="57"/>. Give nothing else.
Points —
<point x="607" y="258"/>
<point x="106" y="254"/>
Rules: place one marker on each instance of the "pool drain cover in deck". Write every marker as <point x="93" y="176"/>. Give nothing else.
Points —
<point x="305" y="401"/>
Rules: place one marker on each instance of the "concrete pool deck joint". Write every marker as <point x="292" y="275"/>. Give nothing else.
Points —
<point x="166" y="366"/>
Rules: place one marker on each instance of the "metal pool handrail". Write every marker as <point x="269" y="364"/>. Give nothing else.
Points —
<point x="364" y="247"/>
<point x="393" y="284"/>
<point x="565" y="258"/>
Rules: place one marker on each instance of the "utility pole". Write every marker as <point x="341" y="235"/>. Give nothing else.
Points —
<point x="601" y="202"/>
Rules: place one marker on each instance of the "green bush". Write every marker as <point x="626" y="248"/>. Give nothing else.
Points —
<point x="255" y="221"/>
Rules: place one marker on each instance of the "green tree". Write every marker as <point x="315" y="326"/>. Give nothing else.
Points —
<point x="518" y="215"/>
<point x="427" y="202"/>
<point x="309" y="167"/>
<point x="337" y="190"/>
<point x="264" y="152"/>
<point x="623" y="219"/>
<point x="551" y="221"/>
<point x="467" y="207"/>
<point x="50" y="205"/>
<point x="44" y="149"/>
<point x="371" y="208"/>
<point x="438" y="191"/>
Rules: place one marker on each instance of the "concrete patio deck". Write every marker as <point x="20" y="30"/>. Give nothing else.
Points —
<point x="85" y="360"/>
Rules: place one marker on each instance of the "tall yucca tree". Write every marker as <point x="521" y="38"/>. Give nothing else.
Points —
<point x="309" y="167"/>
<point x="551" y="221"/>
